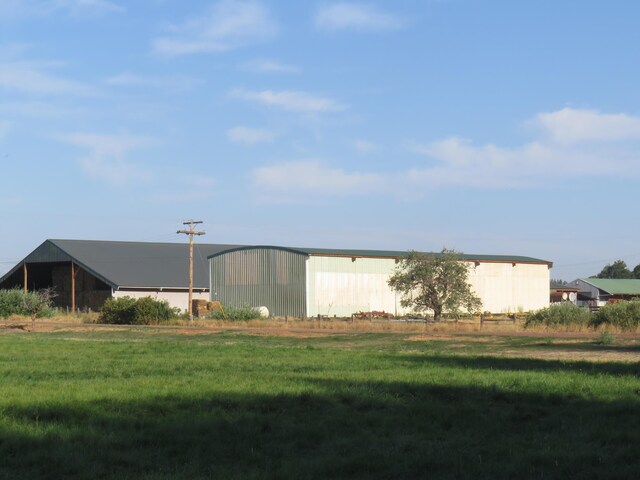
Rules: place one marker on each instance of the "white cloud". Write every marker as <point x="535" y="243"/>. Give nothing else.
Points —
<point x="575" y="143"/>
<point x="290" y="100"/>
<point x="312" y="178"/>
<point x="171" y="83"/>
<point x="190" y="189"/>
<point x="355" y="16"/>
<point x="20" y="8"/>
<point x="363" y="146"/>
<point x="5" y="126"/>
<point x="107" y="157"/>
<point x="250" y="136"/>
<point x="227" y="25"/>
<point x="269" y="66"/>
<point x="455" y="162"/>
<point x="32" y="78"/>
<point x="571" y="126"/>
<point x="39" y="109"/>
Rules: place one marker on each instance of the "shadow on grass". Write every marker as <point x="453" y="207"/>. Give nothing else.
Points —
<point x="590" y="346"/>
<point x="528" y="364"/>
<point x="337" y="429"/>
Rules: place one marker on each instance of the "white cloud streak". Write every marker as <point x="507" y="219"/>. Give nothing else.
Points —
<point x="250" y="136"/>
<point x="572" y="126"/>
<point x="32" y="78"/>
<point x="289" y="100"/>
<point x="175" y="83"/>
<point x="107" y="158"/>
<point x="311" y="178"/>
<point x="228" y="24"/>
<point x="576" y="144"/>
<point x="269" y="66"/>
<point x="364" y="146"/>
<point x="355" y="16"/>
<point x="5" y="126"/>
<point x="22" y="8"/>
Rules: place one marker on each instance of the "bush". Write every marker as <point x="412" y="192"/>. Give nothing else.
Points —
<point x="148" y="311"/>
<point x="19" y="302"/>
<point x="624" y="315"/>
<point x="559" y="314"/>
<point x="236" y="314"/>
<point x="131" y="311"/>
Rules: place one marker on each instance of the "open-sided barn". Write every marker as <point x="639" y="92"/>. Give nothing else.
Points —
<point x="308" y="282"/>
<point x="84" y="273"/>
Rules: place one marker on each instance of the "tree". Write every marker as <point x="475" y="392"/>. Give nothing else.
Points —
<point x="34" y="303"/>
<point x="436" y="282"/>
<point x="636" y="272"/>
<point x="617" y="269"/>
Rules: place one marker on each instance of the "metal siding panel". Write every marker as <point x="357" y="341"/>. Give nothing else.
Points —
<point x="269" y="277"/>
<point x="340" y="286"/>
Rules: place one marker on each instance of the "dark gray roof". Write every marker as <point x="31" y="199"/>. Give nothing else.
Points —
<point x="399" y="254"/>
<point x="131" y="264"/>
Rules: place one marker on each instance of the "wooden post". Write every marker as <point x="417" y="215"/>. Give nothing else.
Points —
<point x="191" y="232"/>
<point x="73" y="288"/>
<point x="26" y="278"/>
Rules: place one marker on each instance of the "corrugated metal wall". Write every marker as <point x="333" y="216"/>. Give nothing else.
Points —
<point x="342" y="286"/>
<point x="260" y="276"/>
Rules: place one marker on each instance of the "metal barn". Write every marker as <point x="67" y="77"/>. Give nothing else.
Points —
<point x="304" y="282"/>
<point x="84" y="273"/>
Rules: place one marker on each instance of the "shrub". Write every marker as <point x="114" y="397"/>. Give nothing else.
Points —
<point x="624" y="315"/>
<point x="147" y="311"/>
<point x="236" y="313"/>
<point x="605" y="338"/>
<point x="117" y="311"/>
<point x="559" y="314"/>
<point x="131" y="311"/>
<point x="19" y="302"/>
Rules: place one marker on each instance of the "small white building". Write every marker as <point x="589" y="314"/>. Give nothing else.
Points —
<point x="308" y="282"/>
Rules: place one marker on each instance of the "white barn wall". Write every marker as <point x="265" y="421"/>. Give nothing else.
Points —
<point x="340" y="286"/>
<point x="175" y="299"/>
<point x="509" y="287"/>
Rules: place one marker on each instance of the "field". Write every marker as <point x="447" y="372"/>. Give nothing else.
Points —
<point x="152" y="403"/>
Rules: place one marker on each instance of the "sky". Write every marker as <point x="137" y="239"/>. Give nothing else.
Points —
<point x="488" y="127"/>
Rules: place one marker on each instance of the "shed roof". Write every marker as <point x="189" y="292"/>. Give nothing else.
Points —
<point x="396" y="254"/>
<point x="615" y="286"/>
<point x="131" y="264"/>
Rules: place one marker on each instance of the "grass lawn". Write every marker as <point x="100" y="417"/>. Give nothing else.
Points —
<point x="151" y="404"/>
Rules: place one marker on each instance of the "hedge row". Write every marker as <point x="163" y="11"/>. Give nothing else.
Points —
<point x="623" y="315"/>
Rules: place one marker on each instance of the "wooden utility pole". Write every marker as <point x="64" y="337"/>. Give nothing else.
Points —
<point x="191" y="232"/>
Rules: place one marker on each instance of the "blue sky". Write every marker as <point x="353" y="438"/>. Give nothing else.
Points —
<point x="495" y="127"/>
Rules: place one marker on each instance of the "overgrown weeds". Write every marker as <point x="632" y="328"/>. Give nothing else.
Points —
<point x="559" y="314"/>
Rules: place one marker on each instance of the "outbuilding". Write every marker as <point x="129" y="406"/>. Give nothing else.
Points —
<point x="596" y="292"/>
<point x="306" y="282"/>
<point x="84" y="273"/>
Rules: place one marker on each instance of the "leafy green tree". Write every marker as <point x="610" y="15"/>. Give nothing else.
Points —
<point x="636" y="272"/>
<point x="617" y="269"/>
<point x="436" y="282"/>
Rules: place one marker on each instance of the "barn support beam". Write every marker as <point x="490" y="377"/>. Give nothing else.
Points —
<point x="26" y="277"/>
<point x="73" y="287"/>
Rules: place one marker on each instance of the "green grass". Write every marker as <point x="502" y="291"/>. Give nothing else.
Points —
<point x="148" y="405"/>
